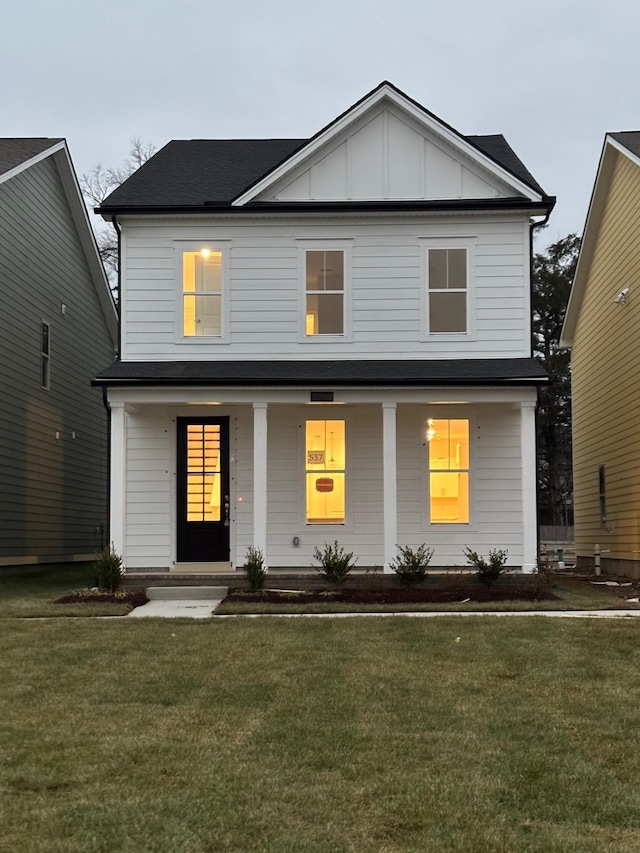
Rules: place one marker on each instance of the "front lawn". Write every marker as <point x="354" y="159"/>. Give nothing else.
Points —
<point x="479" y="735"/>
<point x="31" y="592"/>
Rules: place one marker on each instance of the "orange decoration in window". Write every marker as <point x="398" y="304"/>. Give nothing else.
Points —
<point x="324" y="484"/>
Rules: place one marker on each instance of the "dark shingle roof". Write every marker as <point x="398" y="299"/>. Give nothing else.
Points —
<point x="193" y="172"/>
<point x="197" y="172"/>
<point x="630" y="139"/>
<point x="419" y="373"/>
<point x="15" y="151"/>
<point x="498" y="149"/>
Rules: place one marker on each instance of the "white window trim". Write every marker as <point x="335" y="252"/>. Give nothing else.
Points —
<point x="343" y="245"/>
<point x="317" y="412"/>
<point x="468" y="243"/>
<point x="224" y="247"/>
<point x="448" y="413"/>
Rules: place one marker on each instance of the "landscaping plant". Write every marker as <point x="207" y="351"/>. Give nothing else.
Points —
<point x="335" y="563"/>
<point x="109" y="570"/>
<point x="488" y="570"/>
<point x="254" y="568"/>
<point x="411" y="566"/>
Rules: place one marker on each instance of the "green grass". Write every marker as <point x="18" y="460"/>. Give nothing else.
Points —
<point x="570" y="595"/>
<point x="320" y="736"/>
<point x="30" y="592"/>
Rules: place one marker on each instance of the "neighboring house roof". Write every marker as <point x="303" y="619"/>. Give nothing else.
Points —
<point x="16" y="151"/>
<point x="19" y="154"/>
<point x="400" y="372"/>
<point x="203" y="174"/>
<point x="620" y="144"/>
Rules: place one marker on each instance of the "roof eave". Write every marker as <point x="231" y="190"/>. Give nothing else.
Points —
<point x="544" y="206"/>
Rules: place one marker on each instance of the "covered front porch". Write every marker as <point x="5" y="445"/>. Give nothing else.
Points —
<point x="450" y="467"/>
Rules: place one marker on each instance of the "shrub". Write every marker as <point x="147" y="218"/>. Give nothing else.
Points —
<point x="254" y="568"/>
<point x="488" y="570"/>
<point x="109" y="570"/>
<point x="335" y="563"/>
<point x="411" y="566"/>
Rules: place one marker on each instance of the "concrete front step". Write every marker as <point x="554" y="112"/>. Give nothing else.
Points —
<point x="186" y="593"/>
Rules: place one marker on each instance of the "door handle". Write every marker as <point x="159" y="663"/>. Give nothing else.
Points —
<point x="226" y="510"/>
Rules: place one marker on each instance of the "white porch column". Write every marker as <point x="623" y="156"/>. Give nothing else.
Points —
<point x="260" y="478"/>
<point x="529" y="480"/>
<point x="389" y="483"/>
<point x="117" y="485"/>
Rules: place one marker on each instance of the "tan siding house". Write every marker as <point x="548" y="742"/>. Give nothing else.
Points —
<point x="601" y="328"/>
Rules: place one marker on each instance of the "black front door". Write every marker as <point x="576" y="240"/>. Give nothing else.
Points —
<point x="203" y="490"/>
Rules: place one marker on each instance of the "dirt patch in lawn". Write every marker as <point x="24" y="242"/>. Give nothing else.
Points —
<point x="134" y="597"/>
<point x="390" y="595"/>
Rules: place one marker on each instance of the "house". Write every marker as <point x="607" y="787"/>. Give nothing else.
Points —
<point x="58" y="325"/>
<point x="326" y="339"/>
<point x="601" y="324"/>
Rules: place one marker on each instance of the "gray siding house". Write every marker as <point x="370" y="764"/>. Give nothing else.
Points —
<point x="58" y="325"/>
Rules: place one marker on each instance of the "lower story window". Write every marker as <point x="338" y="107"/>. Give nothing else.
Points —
<point x="325" y="466"/>
<point x="448" y="441"/>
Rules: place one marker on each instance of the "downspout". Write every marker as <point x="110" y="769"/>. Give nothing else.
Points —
<point x="118" y="231"/>
<point x="532" y="226"/>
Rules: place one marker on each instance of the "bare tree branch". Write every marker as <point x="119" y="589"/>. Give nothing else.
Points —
<point x="96" y="185"/>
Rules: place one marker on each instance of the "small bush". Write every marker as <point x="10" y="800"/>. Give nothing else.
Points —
<point x="488" y="570"/>
<point x="335" y="563"/>
<point x="254" y="568"/>
<point x="411" y="566"/>
<point x="109" y="570"/>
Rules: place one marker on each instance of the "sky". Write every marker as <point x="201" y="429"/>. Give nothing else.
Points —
<point x="553" y="76"/>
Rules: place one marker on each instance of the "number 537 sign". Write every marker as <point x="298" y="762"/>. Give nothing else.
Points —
<point x="315" y="457"/>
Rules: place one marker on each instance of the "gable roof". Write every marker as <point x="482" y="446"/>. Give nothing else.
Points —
<point x="214" y="174"/>
<point x="19" y="154"/>
<point x="620" y="144"/>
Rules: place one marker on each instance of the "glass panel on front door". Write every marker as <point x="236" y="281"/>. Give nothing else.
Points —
<point x="203" y="472"/>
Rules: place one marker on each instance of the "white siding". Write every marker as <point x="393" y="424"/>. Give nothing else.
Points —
<point x="385" y="289"/>
<point x="149" y="502"/>
<point x="495" y="484"/>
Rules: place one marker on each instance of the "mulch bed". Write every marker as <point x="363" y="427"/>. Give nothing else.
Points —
<point x="135" y="597"/>
<point x="392" y="595"/>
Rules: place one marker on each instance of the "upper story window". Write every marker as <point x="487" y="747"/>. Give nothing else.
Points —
<point x="45" y="355"/>
<point x="447" y="291"/>
<point x="324" y="292"/>
<point x="202" y="293"/>
<point x="448" y="441"/>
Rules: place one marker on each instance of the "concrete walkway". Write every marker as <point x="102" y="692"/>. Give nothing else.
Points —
<point x="181" y="601"/>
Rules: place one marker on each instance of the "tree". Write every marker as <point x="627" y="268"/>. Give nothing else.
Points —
<point x="553" y="272"/>
<point x="96" y="186"/>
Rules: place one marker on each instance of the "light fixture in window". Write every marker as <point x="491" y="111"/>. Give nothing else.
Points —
<point x="431" y="433"/>
<point x="205" y="253"/>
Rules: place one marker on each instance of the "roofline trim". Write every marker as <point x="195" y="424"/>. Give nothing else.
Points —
<point x="297" y="383"/>
<point x="606" y="164"/>
<point x="544" y="205"/>
<point x="386" y="90"/>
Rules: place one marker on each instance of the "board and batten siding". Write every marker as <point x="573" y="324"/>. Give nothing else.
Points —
<point x="53" y="444"/>
<point x="385" y="298"/>
<point x="606" y="388"/>
<point x="496" y="491"/>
